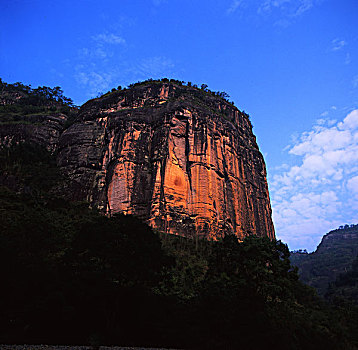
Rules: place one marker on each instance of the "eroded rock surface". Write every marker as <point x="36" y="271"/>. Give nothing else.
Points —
<point x="182" y="159"/>
<point x="43" y="130"/>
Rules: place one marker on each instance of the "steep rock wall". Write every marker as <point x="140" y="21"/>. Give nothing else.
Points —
<point x="180" y="158"/>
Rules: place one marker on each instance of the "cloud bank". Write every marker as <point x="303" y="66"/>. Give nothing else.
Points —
<point x="319" y="191"/>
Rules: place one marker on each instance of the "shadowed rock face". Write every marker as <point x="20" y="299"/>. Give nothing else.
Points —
<point x="180" y="158"/>
<point x="43" y="130"/>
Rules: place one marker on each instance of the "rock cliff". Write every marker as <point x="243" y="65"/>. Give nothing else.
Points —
<point x="177" y="156"/>
<point x="43" y="130"/>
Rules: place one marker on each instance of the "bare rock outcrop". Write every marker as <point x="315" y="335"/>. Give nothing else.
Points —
<point x="176" y="156"/>
<point x="41" y="129"/>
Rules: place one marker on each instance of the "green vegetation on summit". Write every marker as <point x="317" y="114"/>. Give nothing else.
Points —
<point x="21" y="95"/>
<point x="21" y="104"/>
<point x="204" y="88"/>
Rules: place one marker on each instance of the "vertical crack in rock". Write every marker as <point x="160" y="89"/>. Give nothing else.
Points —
<point x="163" y="168"/>
<point x="187" y="153"/>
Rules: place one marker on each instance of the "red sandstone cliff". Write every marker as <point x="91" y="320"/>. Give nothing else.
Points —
<point x="177" y="156"/>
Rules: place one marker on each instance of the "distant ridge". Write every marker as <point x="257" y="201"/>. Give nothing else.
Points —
<point x="333" y="256"/>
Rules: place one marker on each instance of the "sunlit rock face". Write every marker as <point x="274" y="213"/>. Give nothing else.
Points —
<point x="182" y="159"/>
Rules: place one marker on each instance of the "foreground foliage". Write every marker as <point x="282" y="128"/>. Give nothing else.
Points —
<point x="73" y="276"/>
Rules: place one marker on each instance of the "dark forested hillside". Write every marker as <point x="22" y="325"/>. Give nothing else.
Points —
<point x="334" y="256"/>
<point x="346" y="285"/>
<point x="73" y="276"/>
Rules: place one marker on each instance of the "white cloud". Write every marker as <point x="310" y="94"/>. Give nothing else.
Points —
<point x="108" y="38"/>
<point x="94" y="81"/>
<point x="352" y="185"/>
<point x="316" y="193"/>
<point x="321" y="139"/>
<point x="340" y="45"/>
<point x="304" y="6"/>
<point x="96" y="76"/>
<point x="348" y="58"/>
<point x="283" y="13"/>
<point x="291" y="8"/>
<point x="103" y="47"/>
<point x="152" y="67"/>
<point x="94" y="53"/>
<point x="93" y="68"/>
<point x="337" y="44"/>
<point x="268" y="5"/>
<point x="234" y="6"/>
<point x="279" y="12"/>
<point x="350" y="121"/>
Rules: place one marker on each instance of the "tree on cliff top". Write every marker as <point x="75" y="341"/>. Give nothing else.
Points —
<point x="21" y="99"/>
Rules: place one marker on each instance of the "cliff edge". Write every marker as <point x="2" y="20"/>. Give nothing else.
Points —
<point x="177" y="156"/>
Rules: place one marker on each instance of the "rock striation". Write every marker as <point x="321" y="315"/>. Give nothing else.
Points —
<point x="179" y="157"/>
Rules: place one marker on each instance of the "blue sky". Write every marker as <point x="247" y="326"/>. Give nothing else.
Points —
<point x="291" y="64"/>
